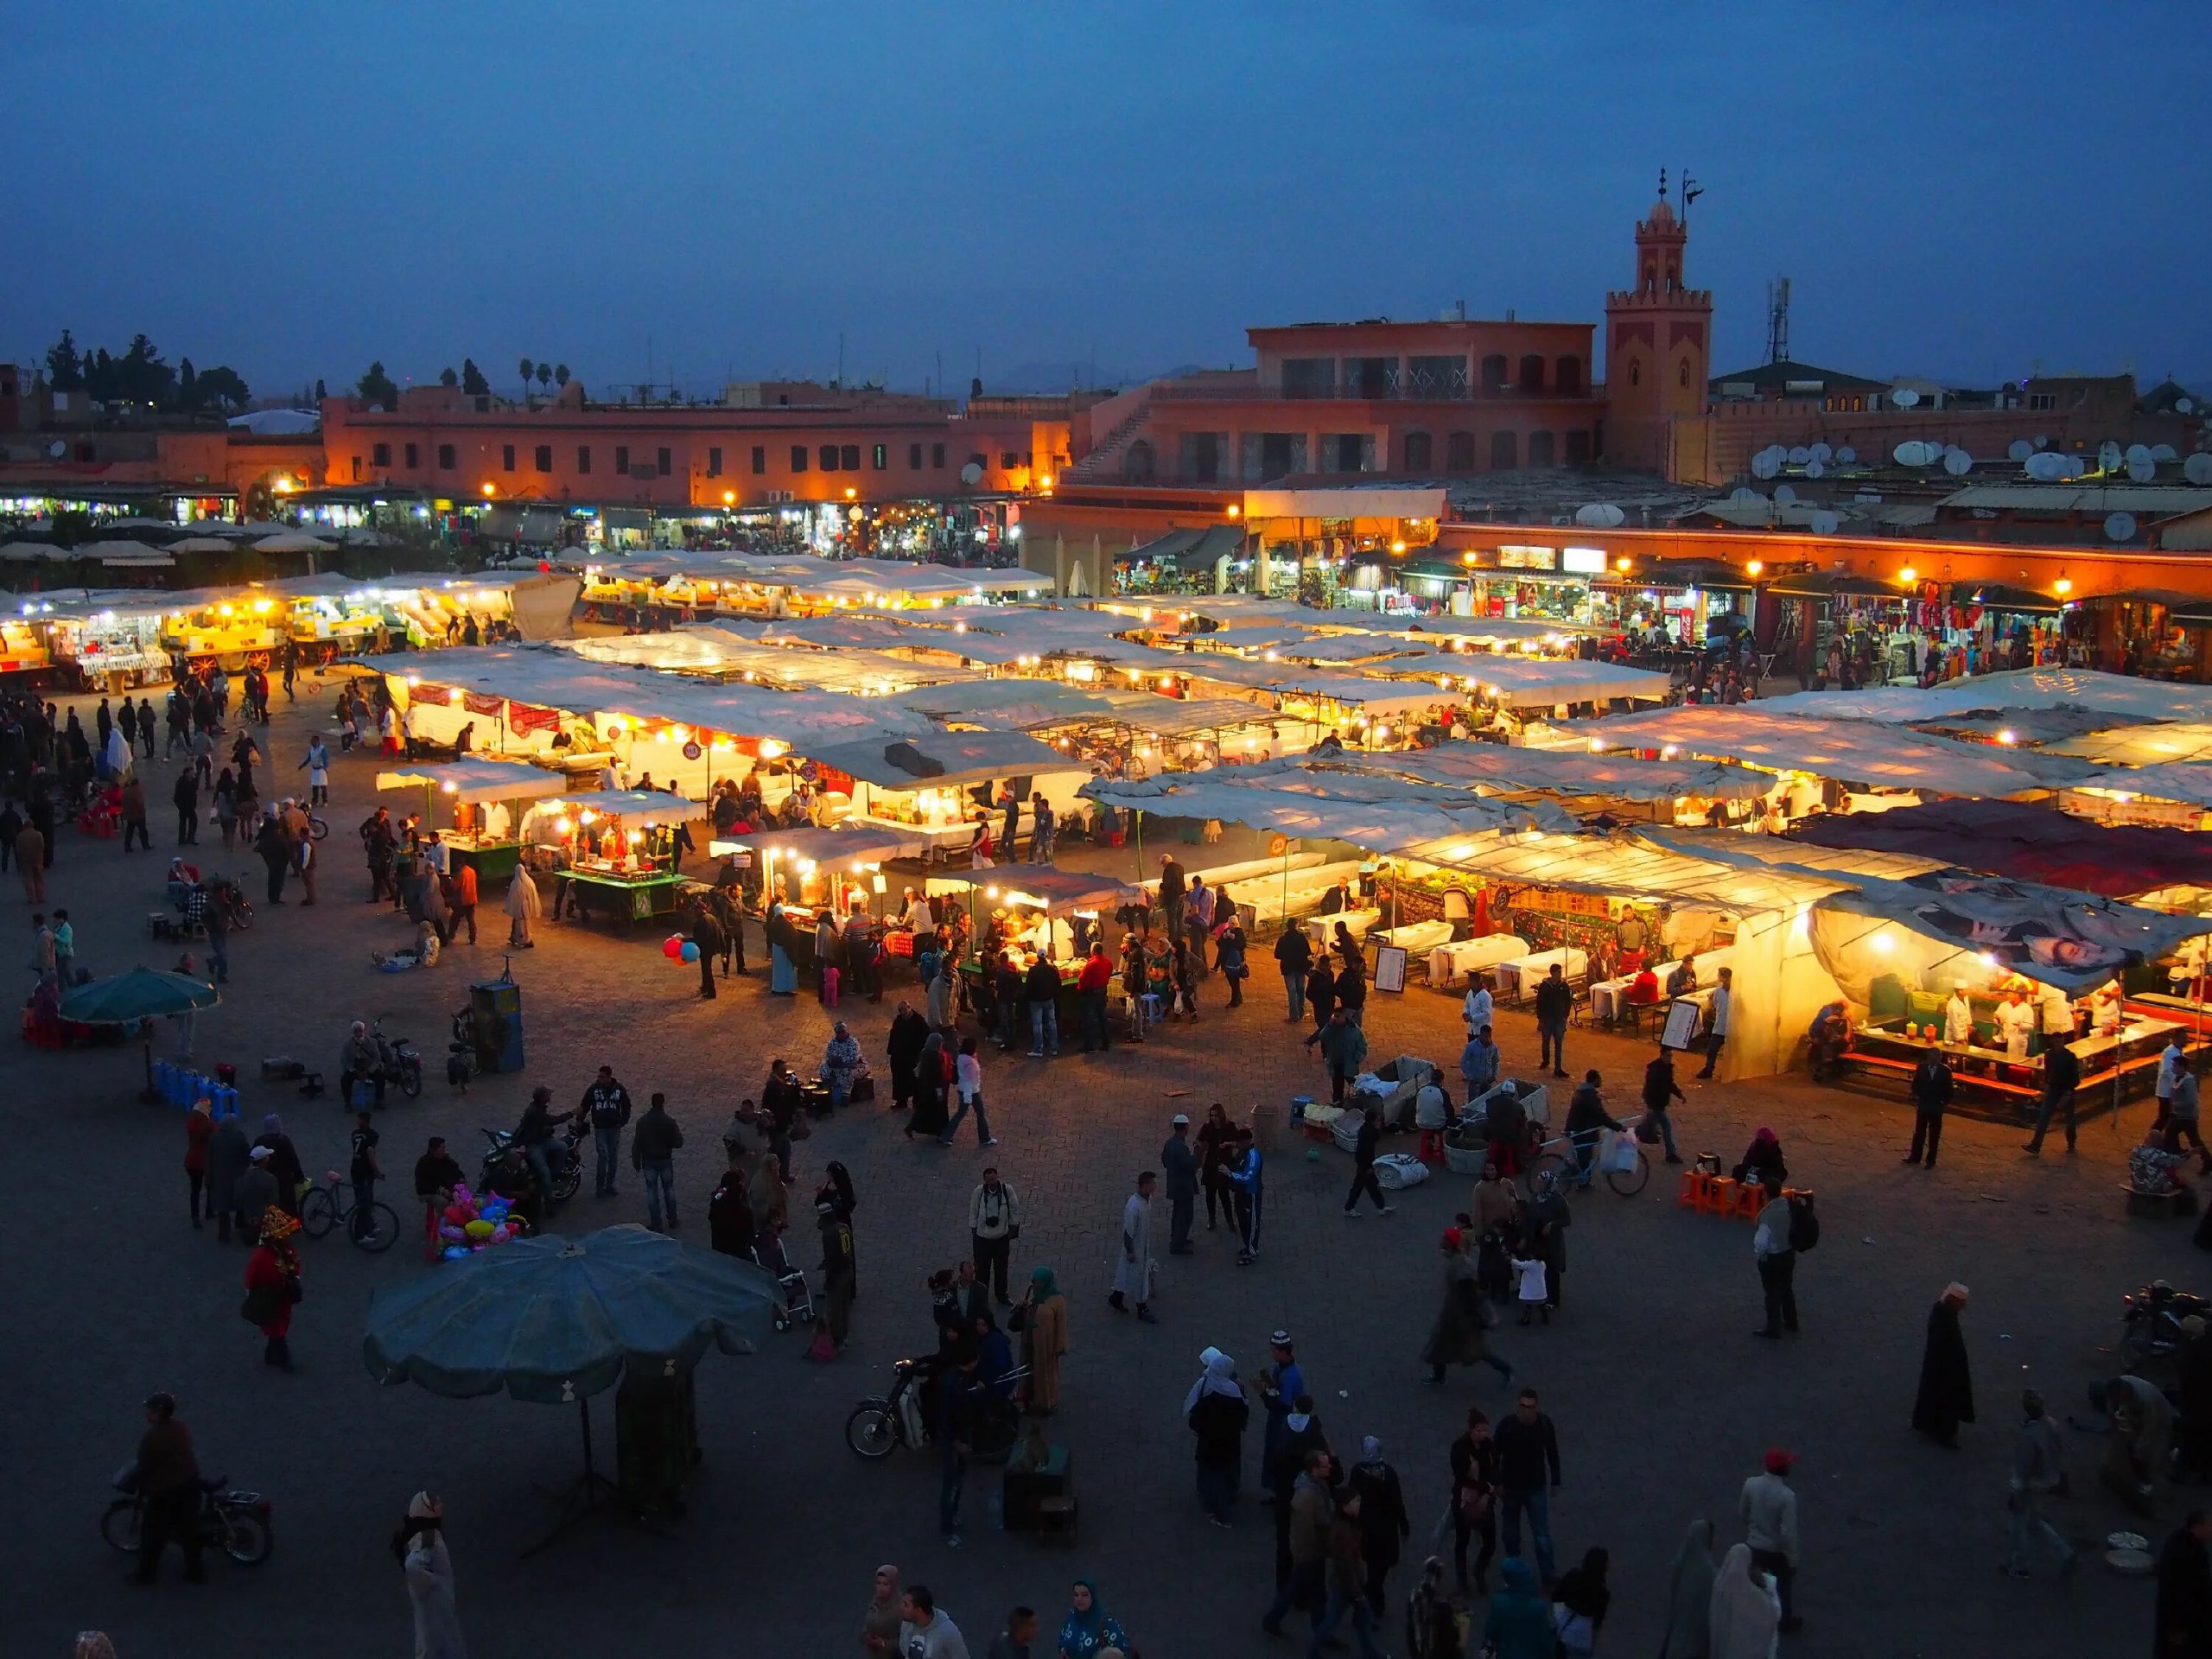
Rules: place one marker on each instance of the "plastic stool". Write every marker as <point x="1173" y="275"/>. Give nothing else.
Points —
<point x="1695" y="1193"/>
<point x="1151" y="1002"/>
<point x="1432" y="1146"/>
<point x="1720" y="1195"/>
<point x="1751" y="1199"/>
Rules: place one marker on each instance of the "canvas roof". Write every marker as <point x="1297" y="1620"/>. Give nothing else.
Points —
<point x="646" y="805"/>
<point x="2034" y="843"/>
<point x="2142" y="745"/>
<point x="1627" y="865"/>
<point x="2189" y="781"/>
<point x="1507" y="770"/>
<point x="1041" y="886"/>
<point x="2017" y="688"/>
<point x="964" y="757"/>
<point x="845" y="844"/>
<point x="475" y="780"/>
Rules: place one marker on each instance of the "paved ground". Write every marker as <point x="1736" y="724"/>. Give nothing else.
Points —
<point x="1663" y="1400"/>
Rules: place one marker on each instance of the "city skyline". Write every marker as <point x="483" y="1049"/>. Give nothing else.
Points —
<point x="759" y="191"/>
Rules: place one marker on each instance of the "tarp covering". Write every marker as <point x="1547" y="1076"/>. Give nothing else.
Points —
<point x="475" y="780"/>
<point x="2033" y="844"/>
<point x="1540" y="681"/>
<point x="2142" y="745"/>
<point x="942" y="760"/>
<point x="639" y="806"/>
<point x="2015" y="688"/>
<point x="1855" y="751"/>
<point x="1506" y="770"/>
<point x="1041" y="886"/>
<point x="2177" y="780"/>
<point x="846" y="845"/>
<point x="1632" y="867"/>
<point x="713" y="649"/>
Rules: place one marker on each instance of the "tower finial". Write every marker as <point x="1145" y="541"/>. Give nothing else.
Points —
<point x="1662" y="184"/>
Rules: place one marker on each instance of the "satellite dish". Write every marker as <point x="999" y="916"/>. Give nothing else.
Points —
<point x="2138" y="452"/>
<point x="1763" y="465"/>
<point x="2047" y="469"/>
<point x="57" y="448"/>
<point x="2184" y="405"/>
<point x="2197" y="469"/>
<point x="1785" y="496"/>
<point x="1741" y="496"/>
<point x="1957" y="462"/>
<point x="2108" y="456"/>
<point x="1600" y="515"/>
<point x="2164" y="452"/>
<point x="1913" y="453"/>
<point x="1822" y="452"/>
<point x="1846" y="456"/>
<point x="2142" y="470"/>
<point x="2043" y="440"/>
<point x="1824" y="523"/>
<point x="971" y="473"/>
<point x="2019" y="449"/>
<point x="2119" y="526"/>
<point x="1813" y="468"/>
<point x="1800" y="455"/>
<point x="1904" y="397"/>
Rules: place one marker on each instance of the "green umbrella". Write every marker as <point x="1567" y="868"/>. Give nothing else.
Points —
<point x="139" y="998"/>
<point x="552" y="1319"/>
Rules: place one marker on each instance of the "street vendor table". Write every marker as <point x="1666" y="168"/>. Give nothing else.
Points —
<point x="1322" y="929"/>
<point x="1070" y="999"/>
<point x="1416" y="937"/>
<point x="1518" y="977"/>
<point x="492" y="861"/>
<point x="928" y="841"/>
<point x="626" y="898"/>
<point x="1448" y="964"/>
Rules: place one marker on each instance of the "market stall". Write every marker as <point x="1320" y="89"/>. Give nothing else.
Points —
<point x="610" y="852"/>
<point x="940" y="789"/>
<point x="483" y="833"/>
<point x="1033" y="910"/>
<point x="811" y="872"/>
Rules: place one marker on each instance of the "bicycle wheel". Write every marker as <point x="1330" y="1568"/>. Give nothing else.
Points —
<point x="378" y="1233"/>
<point x="119" y="1526"/>
<point x="316" y="828"/>
<point x="318" y="1213"/>
<point x="1547" y="1172"/>
<point x="870" y="1432"/>
<point x="1630" y="1182"/>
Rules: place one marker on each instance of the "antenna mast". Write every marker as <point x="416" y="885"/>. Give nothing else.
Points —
<point x="1777" y="319"/>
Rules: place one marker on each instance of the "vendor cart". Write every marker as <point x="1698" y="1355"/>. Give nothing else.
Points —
<point x="484" y="834"/>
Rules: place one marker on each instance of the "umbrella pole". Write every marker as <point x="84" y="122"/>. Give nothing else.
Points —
<point x="150" y="1095"/>
<point x="586" y="1495"/>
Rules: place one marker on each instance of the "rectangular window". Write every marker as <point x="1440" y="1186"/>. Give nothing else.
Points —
<point x="622" y="459"/>
<point x="380" y="454"/>
<point x="1309" y="376"/>
<point x="849" y="457"/>
<point x="759" y="458"/>
<point x="445" y="457"/>
<point x="828" y="457"/>
<point x="542" y="459"/>
<point x="357" y="470"/>
<point x="583" y="459"/>
<point x="1008" y="460"/>
<point x="799" y="457"/>
<point x="414" y="457"/>
<point x="507" y="457"/>
<point x="714" y="461"/>
<point x="2042" y="400"/>
<point x="913" y="457"/>
<point x="882" y="456"/>
<point x="936" y="457"/>
<point x="661" y="459"/>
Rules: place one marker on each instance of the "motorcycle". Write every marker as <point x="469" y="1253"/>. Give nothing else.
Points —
<point x="882" y="1423"/>
<point x="2152" y="1320"/>
<point x="398" y="1059"/>
<point x="561" y="1156"/>
<point x="234" y="1522"/>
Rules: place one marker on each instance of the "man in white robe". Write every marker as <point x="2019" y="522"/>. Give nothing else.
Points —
<point x="1133" y="1267"/>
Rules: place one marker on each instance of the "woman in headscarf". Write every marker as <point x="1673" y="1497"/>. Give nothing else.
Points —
<point x="929" y="1068"/>
<point x="1042" y="1318"/>
<point x="1746" y="1613"/>
<point x="828" y="956"/>
<point x="1216" y="1411"/>
<point x="1689" y="1597"/>
<point x="1946" y="1396"/>
<point x="421" y="1547"/>
<point x="1762" y="1165"/>
<point x="272" y="1285"/>
<point x="523" y="908"/>
<point x="782" y="943"/>
<point x="1579" y="1604"/>
<point x="909" y="1035"/>
<point x="1519" y="1624"/>
<point x="879" y="1624"/>
<point x="1088" y="1630"/>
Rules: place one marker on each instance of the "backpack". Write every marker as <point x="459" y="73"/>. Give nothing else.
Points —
<point x="1804" y="1226"/>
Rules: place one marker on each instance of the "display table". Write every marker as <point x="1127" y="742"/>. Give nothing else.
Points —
<point x="1518" y="977"/>
<point x="492" y="861"/>
<point x="927" y="842"/>
<point x="1322" y="929"/>
<point x="1448" y="964"/>
<point x="626" y="898"/>
<point x="1417" y="939"/>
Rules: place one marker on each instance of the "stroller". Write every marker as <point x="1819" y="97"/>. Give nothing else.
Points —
<point x="798" y="1295"/>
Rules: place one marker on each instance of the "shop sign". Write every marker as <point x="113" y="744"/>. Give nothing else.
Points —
<point x="1527" y="558"/>
<point x="1555" y="902"/>
<point x="1583" y="561"/>
<point x="692" y="750"/>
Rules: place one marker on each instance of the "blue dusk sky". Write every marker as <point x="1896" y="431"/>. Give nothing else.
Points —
<point x="1971" y="191"/>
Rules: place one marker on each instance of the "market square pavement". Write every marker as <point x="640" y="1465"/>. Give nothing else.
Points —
<point x="1663" y="1400"/>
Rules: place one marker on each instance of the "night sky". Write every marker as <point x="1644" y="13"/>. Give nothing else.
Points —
<point x="1970" y="190"/>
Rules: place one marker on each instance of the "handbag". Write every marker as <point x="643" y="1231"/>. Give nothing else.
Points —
<point x="863" y="1088"/>
<point x="264" y="1304"/>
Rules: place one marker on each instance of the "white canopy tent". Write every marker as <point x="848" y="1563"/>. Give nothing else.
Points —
<point x="2017" y="688"/>
<point x="1504" y="769"/>
<point x="2141" y="746"/>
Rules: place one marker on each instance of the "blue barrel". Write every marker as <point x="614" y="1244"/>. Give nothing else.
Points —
<point x="495" y="1007"/>
<point x="1298" y="1105"/>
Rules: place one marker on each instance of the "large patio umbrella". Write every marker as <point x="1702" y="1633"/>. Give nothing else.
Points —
<point x="139" y="998"/>
<point x="552" y="1319"/>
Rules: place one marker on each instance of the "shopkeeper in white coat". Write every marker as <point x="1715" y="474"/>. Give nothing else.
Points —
<point x="2016" y="1022"/>
<point x="1477" y="1008"/>
<point x="2057" y="1014"/>
<point x="1958" y="1016"/>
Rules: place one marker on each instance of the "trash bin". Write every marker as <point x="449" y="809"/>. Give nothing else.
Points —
<point x="495" y="1012"/>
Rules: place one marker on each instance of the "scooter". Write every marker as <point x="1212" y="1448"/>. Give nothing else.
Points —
<point x="560" y="1155"/>
<point x="2152" y="1320"/>
<point x="236" y="1522"/>
<point x="882" y="1423"/>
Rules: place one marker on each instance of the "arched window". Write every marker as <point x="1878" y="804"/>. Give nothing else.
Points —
<point x="1635" y="374"/>
<point x="1682" y="374"/>
<point x="1459" y="452"/>
<point x="1419" y="451"/>
<point x="1494" y="372"/>
<point x="1566" y="373"/>
<point x="1532" y="373"/>
<point x="1503" y="455"/>
<point x="1540" y="449"/>
<point x="1140" y="465"/>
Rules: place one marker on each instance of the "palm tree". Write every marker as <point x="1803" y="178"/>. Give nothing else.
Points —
<point x="561" y="374"/>
<point x="545" y="375"/>
<point x="529" y="366"/>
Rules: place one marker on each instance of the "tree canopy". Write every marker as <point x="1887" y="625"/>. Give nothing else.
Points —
<point x="376" y="387"/>
<point x="140" y="375"/>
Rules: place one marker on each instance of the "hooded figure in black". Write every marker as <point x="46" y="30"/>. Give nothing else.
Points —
<point x="1946" y="1397"/>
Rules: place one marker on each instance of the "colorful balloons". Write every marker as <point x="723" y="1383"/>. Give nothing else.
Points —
<point x="691" y="951"/>
<point x="672" y="947"/>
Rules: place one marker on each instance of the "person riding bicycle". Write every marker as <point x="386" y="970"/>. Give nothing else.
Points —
<point x="1585" y="1117"/>
<point x="358" y="1061"/>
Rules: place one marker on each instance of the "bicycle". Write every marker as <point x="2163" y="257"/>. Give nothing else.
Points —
<point x="1629" y="1182"/>
<point x="332" y="1203"/>
<point x="1548" y="1170"/>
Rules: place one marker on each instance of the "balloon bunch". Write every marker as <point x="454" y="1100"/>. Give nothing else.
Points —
<point x="469" y="1223"/>
<point x="676" y="948"/>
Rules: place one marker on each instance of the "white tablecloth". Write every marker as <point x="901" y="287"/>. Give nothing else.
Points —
<point x="1417" y="937"/>
<point x="1450" y="963"/>
<point x="1519" y="976"/>
<point x="1322" y="930"/>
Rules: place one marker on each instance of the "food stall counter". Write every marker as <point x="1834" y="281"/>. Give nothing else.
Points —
<point x="1450" y="965"/>
<point x="485" y="796"/>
